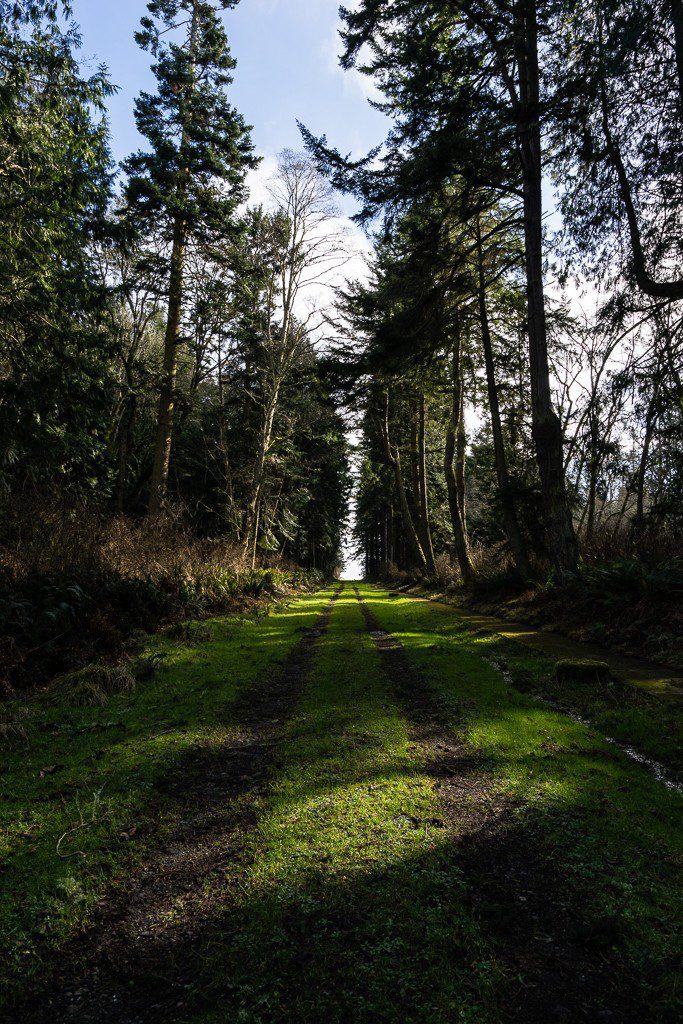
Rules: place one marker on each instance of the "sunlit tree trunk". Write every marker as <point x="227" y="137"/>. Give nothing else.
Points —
<point x="455" y="479"/>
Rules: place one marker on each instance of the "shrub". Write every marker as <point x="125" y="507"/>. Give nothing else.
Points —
<point x="75" y="584"/>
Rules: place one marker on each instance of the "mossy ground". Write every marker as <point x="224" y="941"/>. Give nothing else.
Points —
<point x="350" y="900"/>
<point x="611" y="828"/>
<point x="105" y="767"/>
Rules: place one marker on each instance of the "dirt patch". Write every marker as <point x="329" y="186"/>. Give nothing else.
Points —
<point x="561" y="967"/>
<point x="136" y="963"/>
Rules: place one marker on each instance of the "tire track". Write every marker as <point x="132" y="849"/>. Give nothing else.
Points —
<point x="135" y="963"/>
<point x="557" y="971"/>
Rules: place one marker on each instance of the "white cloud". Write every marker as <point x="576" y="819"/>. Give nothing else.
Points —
<point x="354" y="82"/>
<point x="257" y="181"/>
<point x="357" y="246"/>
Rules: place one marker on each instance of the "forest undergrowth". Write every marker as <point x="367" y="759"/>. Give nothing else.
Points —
<point x="79" y="586"/>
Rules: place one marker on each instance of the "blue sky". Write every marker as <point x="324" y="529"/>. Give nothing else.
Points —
<point x="287" y="69"/>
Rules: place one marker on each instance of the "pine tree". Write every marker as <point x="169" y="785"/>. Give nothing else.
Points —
<point x="463" y="84"/>
<point x="191" y="180"/>
<point x="55" y="177"/>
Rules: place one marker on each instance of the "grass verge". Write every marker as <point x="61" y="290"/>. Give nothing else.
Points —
<point x="83" y="787"/>
<point x="610" y="829"/>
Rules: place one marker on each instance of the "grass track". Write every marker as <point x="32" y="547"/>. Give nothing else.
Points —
<point x="354" y="896"/>
<point x="109" y="767"/>
<point x="611" y="830"/>
<point x="351" y="910"/>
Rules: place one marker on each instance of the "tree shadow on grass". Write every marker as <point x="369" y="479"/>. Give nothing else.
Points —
<point x="479" y="928"/>
<point x="479" y="925"/>
<point x="185" y="748"/>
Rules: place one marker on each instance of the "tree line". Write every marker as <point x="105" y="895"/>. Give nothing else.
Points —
<point x="527" y="278"/>
<point x="157" y="344"/>
<point x="512" y="359"/>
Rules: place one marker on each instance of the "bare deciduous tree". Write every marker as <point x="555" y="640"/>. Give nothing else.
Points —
<point x="307" y="247"/>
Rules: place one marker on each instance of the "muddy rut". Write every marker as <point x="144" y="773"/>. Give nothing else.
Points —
<point x="137" y="962"/>
<point x="559" y="969"/>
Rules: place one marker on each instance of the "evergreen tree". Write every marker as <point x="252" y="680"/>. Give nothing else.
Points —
<point x="55" y="180"/>
<point x="191" y="180"/>
<point x="617" y="131"/>
<point x="463" y="84"/>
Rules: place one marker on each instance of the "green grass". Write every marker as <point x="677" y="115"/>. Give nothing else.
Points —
<point x="346" y="900"/>
<point x="105" y="767"/>
<point x="650" y="722"/>
<point x="352" y="908"/>
<point x="611" y="828"/>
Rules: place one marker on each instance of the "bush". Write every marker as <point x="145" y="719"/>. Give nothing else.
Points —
<point x="75" y="584"/>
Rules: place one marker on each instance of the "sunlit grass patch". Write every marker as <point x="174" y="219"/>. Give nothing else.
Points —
<point x="610" y="828"/>
<point x="88" y="777"/>
<point x="352" y="907"/>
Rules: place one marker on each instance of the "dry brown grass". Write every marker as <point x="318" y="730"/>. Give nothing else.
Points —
<point x="44" y="538"/>
<point x="76" y="583"/>
<point x="93" y="685"/>
<point x="608" y="545"/>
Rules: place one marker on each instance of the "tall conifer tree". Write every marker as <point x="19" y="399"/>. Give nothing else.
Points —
<point x="191" y="180"/>
<point x="54" y="188"/>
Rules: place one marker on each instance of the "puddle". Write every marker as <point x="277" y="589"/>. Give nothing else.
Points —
<point x="656" y="769"/>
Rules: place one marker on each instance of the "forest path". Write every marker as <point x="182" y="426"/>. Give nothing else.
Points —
<point x="392" y="832"/>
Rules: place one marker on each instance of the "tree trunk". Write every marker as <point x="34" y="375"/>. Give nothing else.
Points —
<point x="391" y="536"/>
<point x="125" y="438"/>
<point x="414" y="489"/>
<point x="164" y="436"/>
<point x="510" y="521"/>
<point x="252" y="514"/>
<point x="639" y="521"/>
<point x="425" y="527"/>
<point x="231" y="509"/>
<point x="592" y="495"/>
<point x="460" y="458"/>
<point x="546" y="427"/>
<point x="677" y="22"/>
<point x="453" y="431"/>
<point x="647" y="284"/>
<point x="393" y="460"/>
